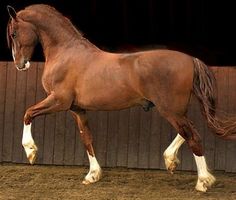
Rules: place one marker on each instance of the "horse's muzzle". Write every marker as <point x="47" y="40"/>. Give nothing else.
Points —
<point x="24" y="66"/>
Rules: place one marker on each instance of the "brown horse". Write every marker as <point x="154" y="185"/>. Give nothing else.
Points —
<point x="78" y="77"/>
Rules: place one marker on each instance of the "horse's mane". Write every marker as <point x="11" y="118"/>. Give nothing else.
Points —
<point x="51" y="13"/>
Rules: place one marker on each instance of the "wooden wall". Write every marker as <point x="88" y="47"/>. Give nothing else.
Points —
<point x="129" y="138"/>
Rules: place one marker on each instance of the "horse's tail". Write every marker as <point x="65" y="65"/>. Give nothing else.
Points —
<point x="204" y="88"/>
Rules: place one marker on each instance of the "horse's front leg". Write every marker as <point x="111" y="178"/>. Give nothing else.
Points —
<point x="49" y="105"/>
<point x="29" y="144"/>
<point x="95" y="171"/>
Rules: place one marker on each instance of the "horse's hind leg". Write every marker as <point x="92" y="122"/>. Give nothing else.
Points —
<point x="205" y="178"/>
<point x="189" y="133"/>
<point x="95" y="171"/>
<point x="170" y="154"/>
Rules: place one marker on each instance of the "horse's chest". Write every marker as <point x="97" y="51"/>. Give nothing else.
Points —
<point x="53" y="76"/>
<point x="47" y="82"/>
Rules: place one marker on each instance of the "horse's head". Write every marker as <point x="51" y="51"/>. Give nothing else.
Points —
<point x="22" y="39"/>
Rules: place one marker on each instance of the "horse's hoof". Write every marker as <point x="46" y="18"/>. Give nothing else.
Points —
<point x="31" y="152"/>
<point x="171" y="163"/>
<point x="92" y="177"/>
<point x="86" y="182"/>
<point x="32" y="157"/>
<point x="204" y="183"/>
<point x="172" y="166"/>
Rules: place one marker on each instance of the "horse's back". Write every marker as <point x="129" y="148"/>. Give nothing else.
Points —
<point x="165" y="67"/>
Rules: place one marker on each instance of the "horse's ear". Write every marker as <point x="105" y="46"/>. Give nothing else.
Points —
<point x="11" y="12"/>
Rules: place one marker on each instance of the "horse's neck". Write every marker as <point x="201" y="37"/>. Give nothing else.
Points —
<point x="60" y="48"/>
<point x="55" y="35"/>
<point x="52" y="41"/>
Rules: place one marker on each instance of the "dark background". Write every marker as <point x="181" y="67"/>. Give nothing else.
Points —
<point x="201" y="28"/>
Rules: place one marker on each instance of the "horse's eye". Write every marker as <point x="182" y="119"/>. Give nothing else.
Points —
<point x="13" y="35"/>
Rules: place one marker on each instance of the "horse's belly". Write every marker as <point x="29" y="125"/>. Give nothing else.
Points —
<point x="108" y="101"/>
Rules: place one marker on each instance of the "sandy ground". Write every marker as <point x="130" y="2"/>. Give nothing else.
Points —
<point x="58" y="182"/>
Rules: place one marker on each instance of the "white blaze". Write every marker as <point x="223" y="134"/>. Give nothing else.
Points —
<point x="13" y="54"/>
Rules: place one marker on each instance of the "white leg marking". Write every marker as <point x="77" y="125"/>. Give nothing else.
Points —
<point x="205" y="179"/>
<point x="170" y="154"/>
<point x="28" y="144"/>
<point x="95" y="171"/>
<point x="13" y="54"/>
